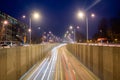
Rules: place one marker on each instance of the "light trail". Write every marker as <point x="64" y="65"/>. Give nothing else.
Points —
<point x="40" y="70"/>
<point x="60" y="65"/>
<point x="45" y="70"/>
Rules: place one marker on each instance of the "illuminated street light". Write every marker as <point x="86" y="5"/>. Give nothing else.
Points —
<point x="35" y="16"/>
<point x="38" y="27"/>
<point x="23" y="16"/>
<point x="72" y="32"/>
<point x="29" y="30"/>
<point x="50" y="32"/>
<point x="67" y="32"/>
<point x="70" y="27"/>
<point x="80" y="15"/>
<point x="78" y="27"/>
<point x="92" y="15"/>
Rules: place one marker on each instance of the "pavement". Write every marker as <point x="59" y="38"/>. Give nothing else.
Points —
<point x="59" y="64"/>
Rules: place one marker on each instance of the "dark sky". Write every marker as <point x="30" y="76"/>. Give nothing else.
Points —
<point x="57" y="15"/>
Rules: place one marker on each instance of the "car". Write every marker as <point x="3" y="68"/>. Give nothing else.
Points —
<point x="5" y="46"/>
<point x="8" y="43"/>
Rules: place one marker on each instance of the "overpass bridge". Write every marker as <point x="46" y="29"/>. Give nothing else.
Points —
<point x="60" y="62"/>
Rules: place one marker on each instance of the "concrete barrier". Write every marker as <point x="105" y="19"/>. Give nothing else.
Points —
<point x="103" y="61"/>
<point x="14" y="62"/>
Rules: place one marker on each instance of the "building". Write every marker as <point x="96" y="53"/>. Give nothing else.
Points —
<point x="12" y="30"/>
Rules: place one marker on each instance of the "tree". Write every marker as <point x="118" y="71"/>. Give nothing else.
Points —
<point x="102" y="28"/>
<point x="115" y="28"/>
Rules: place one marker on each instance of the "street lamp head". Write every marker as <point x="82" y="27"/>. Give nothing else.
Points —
<point x="44" y="32"/>
<point x="23" y="16"/>
<point x="67" y="32"/>
<point x="80" y="15"/>
<point x="72" y="32"/>
<point x="78" y="27"/>
<point x="39" y="28"/>
<point x="70" y="27"/>
<point x="36" y="15"/>
<point x="50" y="32"/>
<point x="29" y="30"/>
<point x="92" y="15"/>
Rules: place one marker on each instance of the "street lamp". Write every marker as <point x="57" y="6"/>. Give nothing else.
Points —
<point x="81" y="15"/>
<point x="74" y="31"/>
<point x="34" y="16"/>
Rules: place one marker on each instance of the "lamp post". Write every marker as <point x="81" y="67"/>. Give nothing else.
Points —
<point x="35" y="16"/>
<point x="81" y="15"/>
<point x="74" y="31"/>
<point x="87" y="28"/>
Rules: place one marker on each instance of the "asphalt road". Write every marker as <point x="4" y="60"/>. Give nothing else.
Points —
<point x="60" y="64"/>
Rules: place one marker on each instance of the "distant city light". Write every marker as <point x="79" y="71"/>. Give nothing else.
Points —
<point x="67" y="32"/>
<point x="50" y="32"/>
<point x="5" y="22"/>
<point x="72" y="32"/>
<point x="38" y="27"/>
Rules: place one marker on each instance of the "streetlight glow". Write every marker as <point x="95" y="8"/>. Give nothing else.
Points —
<point x="92" y="15"/>
<point x="72" y="32"/>
<point x="29" y="30"/>
<point x="23" y="16"/>
<point x="78" y="27"/>
<point x="36" y="15"/>
<point x="70" y="27"/>
<point x="50" y="32"/>
<point x="80" y="14"/>
<point x="67" y="32"/>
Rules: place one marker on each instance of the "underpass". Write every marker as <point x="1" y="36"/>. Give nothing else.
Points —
<point x="60" y="64"/>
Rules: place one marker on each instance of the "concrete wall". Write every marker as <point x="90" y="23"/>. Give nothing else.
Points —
<point x="103" y="61"/>
<point x="14" y="62"/>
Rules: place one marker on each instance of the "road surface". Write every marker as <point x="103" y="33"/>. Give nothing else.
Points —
<point x="60" y="64"/>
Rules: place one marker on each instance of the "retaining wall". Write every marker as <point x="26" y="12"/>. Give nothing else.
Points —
<point x="103" y="61"/>
<point x="14" y="62"/>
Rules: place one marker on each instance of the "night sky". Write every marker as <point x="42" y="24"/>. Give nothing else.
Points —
<point x="57" y="15"/>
